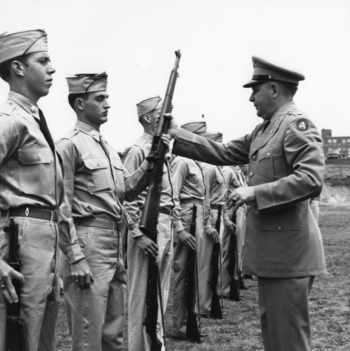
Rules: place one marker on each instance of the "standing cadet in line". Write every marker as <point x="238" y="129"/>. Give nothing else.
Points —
<point x="139" y="245"/>
<point x="283" y="244"/>
<point x="94" y="277"/>
<point x="30" y="187"/>
<point x="189" y="189"/>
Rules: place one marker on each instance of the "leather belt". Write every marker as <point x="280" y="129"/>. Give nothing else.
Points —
<point x="216" y="207"/>
<point x="100" y="223"/>
<point x="166" y="210"/>
<point x="33" y="212"/>
<point x="191" y="201"/>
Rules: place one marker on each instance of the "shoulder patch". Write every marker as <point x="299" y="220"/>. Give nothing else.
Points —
<point x="302" y="124"/>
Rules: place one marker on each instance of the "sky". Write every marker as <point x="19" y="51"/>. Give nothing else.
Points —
<point x="134" y="42"/>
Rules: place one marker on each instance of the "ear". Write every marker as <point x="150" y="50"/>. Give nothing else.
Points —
<point x="18" y="68"/>
<point x="79" y="104"/>
<point x="147" y="118"/>
<point x="275" y="90"/>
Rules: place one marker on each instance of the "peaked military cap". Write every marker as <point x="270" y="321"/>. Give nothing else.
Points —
<point x="83" y="83"/>
<point x="15" y="44"/>
<point x="148" y="105"/>
<point x="199" y="127"/>
<point x="214" y="136"/>
<point x="265" y="71"/>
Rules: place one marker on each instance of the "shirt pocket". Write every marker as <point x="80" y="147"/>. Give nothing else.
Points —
<point x="118" y="175"/>
<point x="98" y="175"/>
<point x="272" y="164"/>
<point x="36" y="173"/>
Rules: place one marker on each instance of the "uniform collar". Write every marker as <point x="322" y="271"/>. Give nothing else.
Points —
<point x="86" y="128"/>
<point x="25" y="103"/>
<point x="147" y="136"/>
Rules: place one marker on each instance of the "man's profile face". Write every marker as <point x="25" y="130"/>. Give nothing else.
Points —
<point x="96" y="108"/>
<point x="261" y="97"/>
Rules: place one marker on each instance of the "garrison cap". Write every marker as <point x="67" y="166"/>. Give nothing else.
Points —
<point x="199" y="127"/>
<point x="214" y="136"/>
<point x="265" y="71"/>
<point x="15" y="44"/>
<point x="84" y="83"/>
<point x="148" y="105"/>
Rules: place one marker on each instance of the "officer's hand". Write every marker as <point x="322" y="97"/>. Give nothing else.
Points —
<point x="213" y="234"/>
<point x="229" y="224"/>
<point x="147" y="245"/>
<point x="240" y="196"/>
<point x="187" y="239"/>
<point x="173" y="127"/>
<point x="7" y="273"/>
<point x="81" y="274"/>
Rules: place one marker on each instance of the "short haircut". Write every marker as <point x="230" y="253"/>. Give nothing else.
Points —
<point x="288" y="88"/>
<point x="73" y="97"/>
<point x="5" y="68"/>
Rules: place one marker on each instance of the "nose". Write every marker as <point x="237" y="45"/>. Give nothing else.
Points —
<point x="51" y="69"/>
<point x="251" y="98"/>
<point x="107" y="105"/>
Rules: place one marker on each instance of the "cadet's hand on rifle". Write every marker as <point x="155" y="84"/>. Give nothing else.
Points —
<point x="173" y="127"/>
<point x="213" y="234"/>
<point x="7" y="273"/>
<point x="166" y="140"/>
<point x="147" y="245"/>
<point x="229" y="224"/>
<point x="240" y="196"/>
<point x="187" y="239"/>
<point x="81" y="273"/>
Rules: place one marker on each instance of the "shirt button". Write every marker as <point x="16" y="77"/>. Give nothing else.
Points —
<point x="32" y="109"/>
<point x="93" y="133"/>
<point x="279" y="227"/>
<point x="254" y="157"/>
<point x="251" y="174"/>
<point x="269" y="153"/>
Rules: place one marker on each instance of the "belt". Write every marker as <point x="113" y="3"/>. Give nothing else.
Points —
<point x="166" y="210"/>
<point x="33" y="212"/>
<point x="216" y="207"/>
<point x="191" y="201"/>
<point x="99" y="223"/>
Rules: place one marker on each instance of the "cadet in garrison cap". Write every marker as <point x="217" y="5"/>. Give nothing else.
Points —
<point x="140" y="246"/>
<point x="283" y="244"/>
<point x="30" y="189"/>
<point x="96" y="183"/>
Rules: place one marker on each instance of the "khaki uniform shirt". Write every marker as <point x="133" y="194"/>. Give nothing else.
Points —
<point x="30" y="173"/>
<point x="95" y="184"/>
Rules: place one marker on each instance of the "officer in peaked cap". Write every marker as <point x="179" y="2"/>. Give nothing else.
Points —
<point x="96" y="184"/>
<point x="283" y="244"/>
<point x="31" y="187"/>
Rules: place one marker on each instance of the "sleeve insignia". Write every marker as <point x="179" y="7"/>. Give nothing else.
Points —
<point x="302" y="125"/>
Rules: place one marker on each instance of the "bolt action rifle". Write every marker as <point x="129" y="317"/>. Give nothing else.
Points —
<point x="215" y="311"/>
<point x="150" y="213"/>
<point x="15" y="325"/>
<point x="191" y="284"/>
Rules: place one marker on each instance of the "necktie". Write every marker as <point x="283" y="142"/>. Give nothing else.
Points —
<point x="265" y="125"/>
<point x="45" y="130"/>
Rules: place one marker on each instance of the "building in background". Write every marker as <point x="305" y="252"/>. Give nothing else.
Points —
<point x="335" y="147"/>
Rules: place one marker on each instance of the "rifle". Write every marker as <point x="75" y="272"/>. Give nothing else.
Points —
<point x="235" y="288"/>
<point x="150" y="213"/>
<point x="15" y="325"/>
<point x="193" y="321"/>
<point x="215" y="311"/>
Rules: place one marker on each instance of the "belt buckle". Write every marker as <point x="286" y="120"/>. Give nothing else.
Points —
<point x="26" y="212"/>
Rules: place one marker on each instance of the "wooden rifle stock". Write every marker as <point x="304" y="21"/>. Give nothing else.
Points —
<point x="15" y="325"/>
<point x="192" y="324"/>
<point x="215" y="311"/>
<point x="150" y="213"/>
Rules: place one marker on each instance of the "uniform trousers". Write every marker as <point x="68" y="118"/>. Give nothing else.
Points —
<point x="284" y="313"/>
<point x="203" y="251"/>
<point x="96" y="314"/>
<point x="138" y="339"/>
<point x="40" y="292"/>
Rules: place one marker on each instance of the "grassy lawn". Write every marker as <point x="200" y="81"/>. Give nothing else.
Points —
<point x="240" y="330"/>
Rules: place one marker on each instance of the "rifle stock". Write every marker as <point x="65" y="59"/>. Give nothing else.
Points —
<point x="192" y="324"/>
<point x="215" y="311"/>
<point x="15" y="325"/>
<point x="150" y="213"/>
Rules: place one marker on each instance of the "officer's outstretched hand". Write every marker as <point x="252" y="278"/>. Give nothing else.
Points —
<point x="147" y="245"/>
<point x="81" y="273"/>
<point x="7" y="273"/>
<point x="213" y="234"/>
<point x="187" y="239"/>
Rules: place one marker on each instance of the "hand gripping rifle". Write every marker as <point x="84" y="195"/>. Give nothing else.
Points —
<point x="149" y="218"/>
<point x="191" y="280"/>
<point x="15" y="325"/>
<point x="235" y="289"/>
<point x="215" y="311"/>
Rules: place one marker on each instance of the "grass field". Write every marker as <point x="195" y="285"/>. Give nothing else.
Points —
<point x="240" y="330"/>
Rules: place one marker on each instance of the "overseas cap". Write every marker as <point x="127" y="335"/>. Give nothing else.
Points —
<point x="199" y="128"/>
<point x="87" y="83"/>
<point x="148" y="105"/>
<point x="14" y="44"/>
<point x="265" y="71"/>
<point x="214" y="136"/>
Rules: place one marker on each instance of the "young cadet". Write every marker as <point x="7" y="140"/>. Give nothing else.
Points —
<point x="30" y="188"/>
<point x="283" y="244"/>
<point x="140" y="247"/>
<point x="96" y="183"/>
